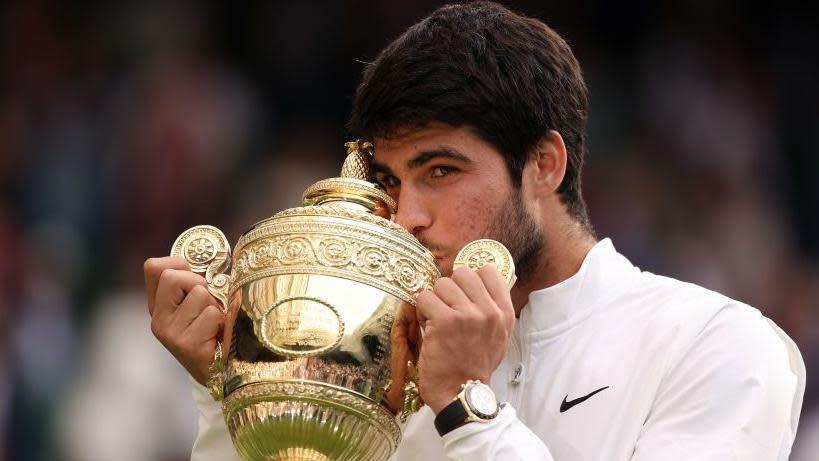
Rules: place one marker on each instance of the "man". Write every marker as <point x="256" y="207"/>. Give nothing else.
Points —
<point x="478" y="117"/>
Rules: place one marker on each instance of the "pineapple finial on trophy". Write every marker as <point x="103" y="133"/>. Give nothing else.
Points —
<point x="359" y="157"/>
<point x="353" y="189"/>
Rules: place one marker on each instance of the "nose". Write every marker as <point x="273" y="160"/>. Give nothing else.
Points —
<point x="412" y="214"/>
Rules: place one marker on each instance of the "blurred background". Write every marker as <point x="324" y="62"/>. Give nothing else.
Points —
<point x="123" y="123"/>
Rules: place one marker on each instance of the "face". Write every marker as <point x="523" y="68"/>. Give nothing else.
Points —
<point x="453" y="188"/>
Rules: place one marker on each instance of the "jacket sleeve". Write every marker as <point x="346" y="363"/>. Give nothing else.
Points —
<point x="734" y="394"/>
<point x="504" y="438"/>
<point x="213" y="441"/>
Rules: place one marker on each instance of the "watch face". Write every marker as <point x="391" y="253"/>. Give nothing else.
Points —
<point x="481" y="400"/>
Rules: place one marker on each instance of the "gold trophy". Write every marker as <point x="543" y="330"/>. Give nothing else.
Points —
<point x="320" y="335"/>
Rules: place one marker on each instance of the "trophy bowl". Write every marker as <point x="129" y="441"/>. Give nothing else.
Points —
<point x="317" y="357"/>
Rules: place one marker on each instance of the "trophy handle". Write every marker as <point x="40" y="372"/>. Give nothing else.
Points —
<point x="412" y="395"/>
<point x="207" y="252"/>
<point x="478" y="253"/>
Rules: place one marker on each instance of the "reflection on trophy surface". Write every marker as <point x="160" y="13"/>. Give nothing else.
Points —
<point x="320" y="336"/>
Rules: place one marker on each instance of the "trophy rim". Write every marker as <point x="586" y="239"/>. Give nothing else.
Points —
<point x="406" y="267"/>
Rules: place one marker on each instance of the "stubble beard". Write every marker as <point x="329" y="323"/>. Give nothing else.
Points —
<point x="515" y="227"/>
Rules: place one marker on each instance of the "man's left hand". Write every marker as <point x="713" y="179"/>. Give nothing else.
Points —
<point x="468" y="320"/>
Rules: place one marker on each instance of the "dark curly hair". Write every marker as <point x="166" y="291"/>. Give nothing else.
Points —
<point x="508" y="77"/>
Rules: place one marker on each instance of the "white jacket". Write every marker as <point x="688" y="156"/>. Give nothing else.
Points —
<point x="672" y="371"/>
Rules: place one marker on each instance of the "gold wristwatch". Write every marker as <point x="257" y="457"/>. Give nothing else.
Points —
<point x="475" y="403"/>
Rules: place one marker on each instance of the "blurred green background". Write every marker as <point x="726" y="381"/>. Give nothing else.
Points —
<point x="122" y="123"/>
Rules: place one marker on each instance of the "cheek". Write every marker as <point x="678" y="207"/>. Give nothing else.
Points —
<point x="469" y="217"/>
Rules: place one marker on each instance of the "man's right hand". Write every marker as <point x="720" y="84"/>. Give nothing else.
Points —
<point x="185" y="318"/>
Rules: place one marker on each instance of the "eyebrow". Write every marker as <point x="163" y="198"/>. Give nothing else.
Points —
<point x="422" y="158"/>
<point x="376" y="168"/>
<point x="441" y="152"/>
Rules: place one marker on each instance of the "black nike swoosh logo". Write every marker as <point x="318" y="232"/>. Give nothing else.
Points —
<point x="566" y="405"/>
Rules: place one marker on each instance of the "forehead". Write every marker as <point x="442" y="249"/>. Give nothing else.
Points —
<point x="404" y="145"/>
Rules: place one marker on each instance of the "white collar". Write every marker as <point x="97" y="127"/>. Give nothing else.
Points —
<point x="553" y="309"/>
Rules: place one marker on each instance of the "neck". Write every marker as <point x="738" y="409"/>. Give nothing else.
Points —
<point x="562" y="255"/>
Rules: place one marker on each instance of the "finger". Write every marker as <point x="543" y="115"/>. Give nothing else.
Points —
<point x="450" y="293"/>
<point x="497" y="288"/>
<point x="406" y="322"/>
<point x="206" y="326"/>
<point x="431" y="307"/>
<point x="472" y="285"/>
<point x="173" y="286"/>
<point x="192" y="306"/>
<point x="422" y="319"/>
<point x="152" y="269"/>
<point x="402" y="351"/>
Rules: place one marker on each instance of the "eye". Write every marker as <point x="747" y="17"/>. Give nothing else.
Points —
<point x="441" y="171"/>
<point x="387" y="181"/>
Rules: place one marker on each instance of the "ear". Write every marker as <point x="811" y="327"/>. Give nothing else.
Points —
<point x="546" y="166"/>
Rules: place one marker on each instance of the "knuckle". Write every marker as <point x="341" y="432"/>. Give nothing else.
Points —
<point x="199" y="291"/>
<point x="445" y="286"/>
<point x="460" y="273"/>
<point x="488" y="270"/>
<point x="486" y="318"/>
<point x="424" y="298"/>
<point x="151" y="266"/>
<point x="213" y="312"/>
<point x="157" y="329"/>
<point x="168" y="275"/>
<point x="493" y="316"/>
<point x="463" y="275"/>
<point x="441" y="283"/>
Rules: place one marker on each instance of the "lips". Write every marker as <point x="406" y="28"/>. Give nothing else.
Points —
<point x="440" y="258"/>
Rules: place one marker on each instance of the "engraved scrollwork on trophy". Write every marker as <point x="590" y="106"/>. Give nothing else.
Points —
<point x="334" y="251"/>
<point x="295" y="250"/>
<point x="359" y="255"/>
<point x="241" y="264"/>
<point x="407" y="275"/>
<point x="219" y="287"/>
<point x="372" y="260"/>
<point x="264" y="252"/>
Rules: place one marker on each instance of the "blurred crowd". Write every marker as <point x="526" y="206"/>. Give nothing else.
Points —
<point x="124" y="123"/>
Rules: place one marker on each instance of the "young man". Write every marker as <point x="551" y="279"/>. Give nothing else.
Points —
<point x="478" y="116"/>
